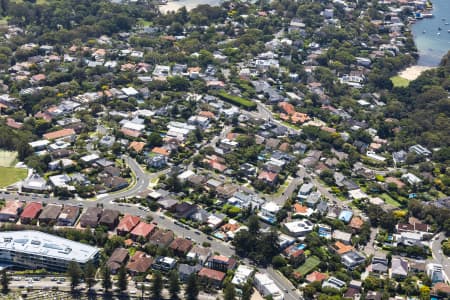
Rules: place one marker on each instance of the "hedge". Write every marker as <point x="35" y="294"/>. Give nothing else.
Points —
<point x="239" y="101"/>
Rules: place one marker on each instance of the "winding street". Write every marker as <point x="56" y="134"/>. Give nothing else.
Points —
<point x="438" y="256"/>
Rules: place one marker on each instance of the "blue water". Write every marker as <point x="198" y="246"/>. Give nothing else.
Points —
<point x="431" y="46"/>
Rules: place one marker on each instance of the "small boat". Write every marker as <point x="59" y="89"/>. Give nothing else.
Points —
<point x="438" y="33"/>
<point x="424" y="31"/>
<point x="448" y="31"/>
<point x="447" y="23"/>
<point x="439" y="28"/>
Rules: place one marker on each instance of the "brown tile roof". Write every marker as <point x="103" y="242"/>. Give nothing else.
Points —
<point x="181" y="245"/>
<point x="139" y="263"/>
<point x="212" y="274"/>
<point x="11" y="208"/>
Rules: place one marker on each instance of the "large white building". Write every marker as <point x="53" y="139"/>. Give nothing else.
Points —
<point x="266" y="286"/>
<point x="30" y="249"/>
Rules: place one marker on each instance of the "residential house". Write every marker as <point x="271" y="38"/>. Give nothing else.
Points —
<point x="399" y="268"/>
<point x="210" y="276"/>
<point x="199" y="254"/>
<point x="109" y="218"/>
<point x="380" y="265"/>
<point x="316" y="277"/>
<point x="435" y="272"/>
<point x="342" y="236"/>
<point x="127" y="224"/>
<point x="164" y="263"/>
<point x="68" y="216"/>
<point x="162" y="238"/>
<point x="30" y="212"/>
<point x="49" y="214"/>
<point x="267" y="287"/>
<point x="269" y="212"/>
<point x="185" y="270"/>
<point x="299" y="228"/>
<point x="11" y="211"/>
<point x="221" y="263"/>
<point x="180" y="246"/>
<point x="334" y="283"/>
<point x="242" y="274"/>
<point x="184" y="210"/>
<point x="139" y="263"/>
<point x="142" y="231"/>
<point x="352" y="259"/>
<point x="117" y="259"/>
<point x="304" y="191"/>
<point x="91" y="217"/>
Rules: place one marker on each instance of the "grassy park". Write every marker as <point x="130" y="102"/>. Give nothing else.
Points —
<point x="398" y="81"/>
<point x="9" y="174"/>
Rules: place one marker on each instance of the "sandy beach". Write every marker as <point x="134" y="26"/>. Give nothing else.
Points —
<point x="413" y="72"/>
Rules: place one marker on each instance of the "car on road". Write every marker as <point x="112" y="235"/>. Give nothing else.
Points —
<point x="162" y="217"/>
<point x="209" y="238"/>
<point x="197" y="232"/>
<point x="187" y="227"/>
<point x="189" y="238"/>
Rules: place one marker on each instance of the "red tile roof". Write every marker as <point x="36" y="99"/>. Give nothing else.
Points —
<point x="129" y="132"/>
<point x="143" y="229"/>
<point x="212" y="274"/>
<point x="127" y="223"/>
<point x="32" y="210"/>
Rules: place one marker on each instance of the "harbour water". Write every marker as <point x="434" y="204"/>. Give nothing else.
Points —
<point x="431" y="42"/>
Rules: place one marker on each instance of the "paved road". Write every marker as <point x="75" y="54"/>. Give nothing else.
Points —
<point x="438" y="256"/>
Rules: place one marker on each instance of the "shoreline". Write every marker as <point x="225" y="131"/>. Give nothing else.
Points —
<point x="412" y="72"/>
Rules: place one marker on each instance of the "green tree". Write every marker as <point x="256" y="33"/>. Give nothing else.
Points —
<point x="5" y="282"/>
<point x="229" y="292"/>
<point x="192" y="290"/>
<point x="74" y="273"/>
<point x="157" y="286"/>
<point x="122" y="282"/>
<point x="247" y="290"/>
<point x="174" y="284"/>
<point x="106" y="283"/>
<point x="89" y="274"/>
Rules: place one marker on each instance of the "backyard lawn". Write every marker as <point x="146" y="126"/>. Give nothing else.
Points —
<point x="9" y="176"/>
<point x="389" y="200"/>
<point x="310" y="264"/>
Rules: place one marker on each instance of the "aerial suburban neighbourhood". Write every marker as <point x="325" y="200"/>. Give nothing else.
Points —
<point x="230" y="150"/>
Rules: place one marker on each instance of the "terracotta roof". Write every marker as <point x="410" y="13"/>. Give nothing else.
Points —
<point x="159" y="150"/>
<point x="208" y="114"/>
<point x="211" y="274"/>
<point x="59" y="134"/>
<point x="127" y="223"/>
<point x="300" y="209"/>
<point x="316" y="276"/>
<point x="129" y="132"/>
<point x="268" y="176"/>
<point x="32" y="210"/>
<point x="11" y="207"/>
<point x="356" y="222"/>
<point x="13" y="124"/>
<point x="442" y="288"/>
<point x="143" y="230"/>
<point x="342" y="248"/>
<point x="137" y="146"/>
<point x="287" y="107"/>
